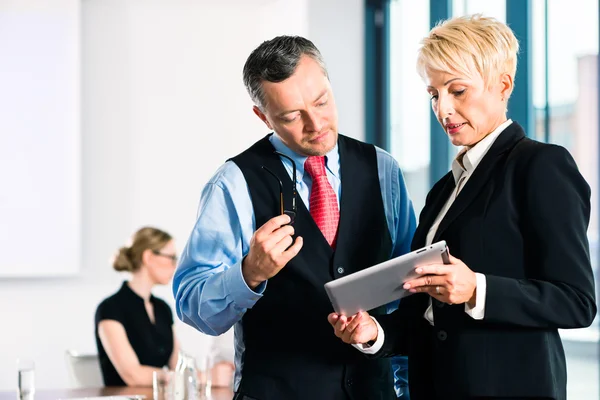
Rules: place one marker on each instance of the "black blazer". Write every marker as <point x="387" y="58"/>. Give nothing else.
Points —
<point x="520" y="220"/>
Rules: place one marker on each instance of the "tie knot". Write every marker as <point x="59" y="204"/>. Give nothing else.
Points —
<point x="315" y="166"/>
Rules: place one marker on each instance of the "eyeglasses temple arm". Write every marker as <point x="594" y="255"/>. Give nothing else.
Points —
<point x="280" y="187"/>
<point x="294" y="193"/>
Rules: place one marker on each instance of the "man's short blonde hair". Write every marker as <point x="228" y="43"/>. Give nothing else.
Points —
<point x="468" y="45"/>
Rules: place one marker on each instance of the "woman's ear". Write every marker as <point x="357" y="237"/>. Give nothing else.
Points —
<point x="506" y="86"/>
<point x="147" y="256"/>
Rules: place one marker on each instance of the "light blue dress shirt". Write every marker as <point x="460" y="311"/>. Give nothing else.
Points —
<point x="210" y="292"/>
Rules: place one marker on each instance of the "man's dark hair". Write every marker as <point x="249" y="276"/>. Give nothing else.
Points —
<point x="276" y="60"/>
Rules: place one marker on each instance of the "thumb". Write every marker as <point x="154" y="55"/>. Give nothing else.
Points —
<point x="453" y="260"/>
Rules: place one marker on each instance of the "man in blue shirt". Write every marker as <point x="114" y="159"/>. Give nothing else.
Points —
<point x="258" y="257"/>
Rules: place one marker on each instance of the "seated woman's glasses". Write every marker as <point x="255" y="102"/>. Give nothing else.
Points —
<point x="173" y="257"/>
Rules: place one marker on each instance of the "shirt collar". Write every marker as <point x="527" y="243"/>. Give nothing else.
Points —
<point x="332" y="159"/>
<point x="129" y="292"/>
<point x="471" y="157"/>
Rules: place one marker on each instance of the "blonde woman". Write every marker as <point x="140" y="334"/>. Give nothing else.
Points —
<point x="134" y="329"/>
<point x="514" y="213"/>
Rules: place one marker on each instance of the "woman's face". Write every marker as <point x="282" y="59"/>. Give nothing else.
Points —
<point x="467" y="109"/>
<point x="161" y="264"/>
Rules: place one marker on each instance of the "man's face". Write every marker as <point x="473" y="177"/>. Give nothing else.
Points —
<point x="301" y="110"/>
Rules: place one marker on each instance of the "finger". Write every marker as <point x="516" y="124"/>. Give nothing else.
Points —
<point x="429" y="280"/>
<point x="356" y="320"/>
<point x="340" y="325"/>
<point x="430" y="290"/>
<point x="453" y="260"/>
<point x="271" y="240"/>
<point x="293" y="251"/>
<point x="332" y="319"/>
<point x="354" y="330"/>
<point x="274" y="223"/>
<point x="340" y="330"/>
<point x="277" y="250"/>
<point x="434" y="269"/>
<point x="358" y="335"/>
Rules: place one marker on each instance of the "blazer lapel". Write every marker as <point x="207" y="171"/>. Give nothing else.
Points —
<point x="439" y="194"/>
<point x="507" y="139"/>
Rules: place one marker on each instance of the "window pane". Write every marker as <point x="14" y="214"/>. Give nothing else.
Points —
<point x="538" y="62"/>
<point x="489" y="8"/>
<point x="409" y="101"/>
<point x="573" y="105"/>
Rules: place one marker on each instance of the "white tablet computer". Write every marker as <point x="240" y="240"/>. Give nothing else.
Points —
<point x="382" y="283"/>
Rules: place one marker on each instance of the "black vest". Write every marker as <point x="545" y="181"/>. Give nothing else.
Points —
<point x="291" y="351"/>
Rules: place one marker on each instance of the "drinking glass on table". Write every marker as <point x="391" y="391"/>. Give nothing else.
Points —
<point x="205" y="367"/>
<point x="25" y="379"/>
<point x="163" y="383"/>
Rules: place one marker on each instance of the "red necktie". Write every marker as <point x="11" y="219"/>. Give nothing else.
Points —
<point x="323" y="201"/>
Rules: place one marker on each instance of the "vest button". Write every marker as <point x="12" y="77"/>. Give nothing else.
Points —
<point x="442" y="335"/>
<point x="349" y="382"/>
<point x="340" y="270"/>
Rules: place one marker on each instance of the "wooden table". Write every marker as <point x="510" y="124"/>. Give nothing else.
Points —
<point x="55" y="394"/>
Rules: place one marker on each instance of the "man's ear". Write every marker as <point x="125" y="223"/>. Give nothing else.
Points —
<point x="262" y="116"/>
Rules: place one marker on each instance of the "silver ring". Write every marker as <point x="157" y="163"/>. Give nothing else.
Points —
<point x="437" y="290"/>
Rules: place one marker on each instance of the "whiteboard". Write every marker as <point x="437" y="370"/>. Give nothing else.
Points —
<point x="40" y="143"/>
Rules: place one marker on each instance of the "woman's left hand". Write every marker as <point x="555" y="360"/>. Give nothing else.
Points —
<point x="452" y="283"/>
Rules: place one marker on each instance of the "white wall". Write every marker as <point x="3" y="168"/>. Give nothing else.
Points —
<point x="337" y="28"/>
<point x="40" y="75"/>
<point x="163" y="107"/>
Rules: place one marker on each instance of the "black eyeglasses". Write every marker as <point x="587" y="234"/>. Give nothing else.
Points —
<point x="291" y="213"/>
<point x="172" y="257"/>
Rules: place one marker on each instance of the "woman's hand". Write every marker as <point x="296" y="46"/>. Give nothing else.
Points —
<point x="452" y="283"/>
<point x="357" y="329"/>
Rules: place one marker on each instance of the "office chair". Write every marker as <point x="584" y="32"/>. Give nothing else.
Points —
<point x="84" y="370"/>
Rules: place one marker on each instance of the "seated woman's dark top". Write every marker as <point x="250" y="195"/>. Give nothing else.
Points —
<point x="152" y="343"/>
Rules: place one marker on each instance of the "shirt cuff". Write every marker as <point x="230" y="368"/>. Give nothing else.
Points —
<point x="238" y="289"/>
<point x="365" y="348"/>
<point x="478" y="312"/>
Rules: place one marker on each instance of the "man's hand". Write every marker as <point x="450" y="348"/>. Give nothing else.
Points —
<point x="357" y="329"/>
<point x="269" y="251"/>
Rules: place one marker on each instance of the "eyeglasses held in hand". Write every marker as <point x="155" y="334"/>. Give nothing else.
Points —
<point x="291" y="213"/>
<point x="172" y="257"/>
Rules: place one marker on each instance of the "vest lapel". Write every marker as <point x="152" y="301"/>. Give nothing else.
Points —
<point x="304" y="221"/>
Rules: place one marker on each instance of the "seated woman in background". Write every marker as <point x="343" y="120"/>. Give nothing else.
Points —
<point x="134" y="329"/>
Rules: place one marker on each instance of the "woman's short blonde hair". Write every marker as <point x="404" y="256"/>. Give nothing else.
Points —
<point x="468" y="45"/>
